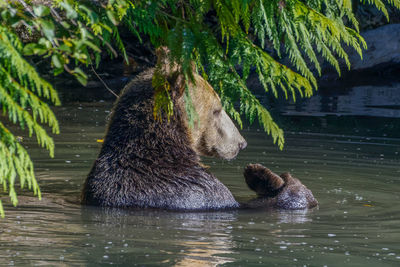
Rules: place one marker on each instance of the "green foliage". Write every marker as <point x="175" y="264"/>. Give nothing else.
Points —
<point x="224" y="39"/>
<point x="162" y="95"/>
<point x="70" y="33"/>
<point x="20" y="86"/>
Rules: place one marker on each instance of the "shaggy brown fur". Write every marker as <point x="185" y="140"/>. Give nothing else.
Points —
<point x="144" y="163"/>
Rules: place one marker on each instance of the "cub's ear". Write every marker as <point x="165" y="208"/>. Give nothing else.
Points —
<point x="262" y="180"/>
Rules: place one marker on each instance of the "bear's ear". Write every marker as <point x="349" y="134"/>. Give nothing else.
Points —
<point x="164" y="63"/>
<point x="177" y="82"/>
<point x="171" y="71"/>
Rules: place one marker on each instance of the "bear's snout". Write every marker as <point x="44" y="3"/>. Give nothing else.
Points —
<point x="242" y="145"/>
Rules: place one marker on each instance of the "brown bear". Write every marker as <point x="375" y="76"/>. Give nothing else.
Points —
<point x="147" y="163"/>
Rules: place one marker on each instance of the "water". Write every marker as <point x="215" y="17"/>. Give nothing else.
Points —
<point x="353" y="170"/>
<point x="364" y="100"/>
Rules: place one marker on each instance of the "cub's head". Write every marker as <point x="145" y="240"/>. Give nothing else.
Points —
<point x="281" y="191"/>
<point x="213" y="133"/>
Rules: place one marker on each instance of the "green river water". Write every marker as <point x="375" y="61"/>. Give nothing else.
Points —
<point x="353" y="172"/>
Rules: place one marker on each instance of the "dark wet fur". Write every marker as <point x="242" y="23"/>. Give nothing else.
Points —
<point x="277" y="191"/>
<point x="145" y="163"/>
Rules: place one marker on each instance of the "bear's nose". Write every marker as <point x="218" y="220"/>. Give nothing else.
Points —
<point x="242" y="145"/>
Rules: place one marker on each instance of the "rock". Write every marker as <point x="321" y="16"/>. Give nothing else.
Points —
<point x="383" y="47"/>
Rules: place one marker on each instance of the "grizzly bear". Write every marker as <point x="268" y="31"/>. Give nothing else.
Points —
<point x="147" y="163"/>
<point x="156" y="164"/>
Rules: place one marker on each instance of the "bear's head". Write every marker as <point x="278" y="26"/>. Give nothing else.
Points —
<point x="213" y="133"/>
<point x="280" y="191"/>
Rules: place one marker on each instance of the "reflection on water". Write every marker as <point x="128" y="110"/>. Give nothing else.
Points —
<point x="295" y="216"/>
<point x="355" y="177"/>
<point x="159" y="237"/>
<point x="374" y="101"/>
<point x="205" y="253"/>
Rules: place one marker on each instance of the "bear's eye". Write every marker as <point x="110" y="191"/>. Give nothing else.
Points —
<point x="217" y="112"/>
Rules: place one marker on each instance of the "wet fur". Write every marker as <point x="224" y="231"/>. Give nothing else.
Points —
<point x="144" y="163"/>
<point x="277" y="191"/>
